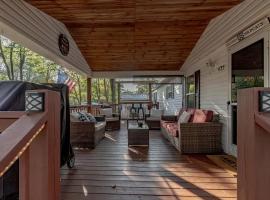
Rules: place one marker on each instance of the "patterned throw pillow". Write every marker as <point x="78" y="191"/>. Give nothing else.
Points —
<point x="83" y="117"/>
<point x="90" y="117"/>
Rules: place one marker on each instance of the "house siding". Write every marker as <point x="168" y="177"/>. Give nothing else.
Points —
<point x="214" y="83"/>
<point x="214" y="89"/>
<point x="170" y="106"/>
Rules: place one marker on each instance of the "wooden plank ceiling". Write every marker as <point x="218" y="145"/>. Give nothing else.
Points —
<point x="123" y="35"/>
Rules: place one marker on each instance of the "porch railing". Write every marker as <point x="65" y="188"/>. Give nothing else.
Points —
<point x="33" y="138"/>
<point x="253" y="143"/>
<point x="94" y="109"/>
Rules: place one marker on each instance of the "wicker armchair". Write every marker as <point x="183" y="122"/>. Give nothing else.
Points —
<point x="87" y="134"/>
<point x="112" y="119"/>
<point x="191" y="137"/>
<point x="153" y="119"/>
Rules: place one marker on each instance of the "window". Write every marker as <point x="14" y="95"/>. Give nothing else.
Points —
<point x="193" y="91"/>
<point x="155" y="96"/>
<point x="170" y="92"/>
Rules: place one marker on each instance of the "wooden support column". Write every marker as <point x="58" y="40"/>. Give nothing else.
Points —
<point x="112" y="83"/>
<point x="40" y="163"/>
<point x="253" y="136"/>
<point x="119" y="91"/>
<point x="150" y="92"/>
<point x="89" y="94"/>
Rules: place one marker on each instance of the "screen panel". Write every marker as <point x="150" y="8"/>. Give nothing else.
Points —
<point x="132" y="92"/>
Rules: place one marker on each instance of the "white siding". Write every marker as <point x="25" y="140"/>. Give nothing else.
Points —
<point x="170" y="106"/>
<point x="39" y="32"/>
<point x="215" y="89"/>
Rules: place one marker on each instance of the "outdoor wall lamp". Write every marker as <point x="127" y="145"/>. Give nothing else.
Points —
<point x="264" y="101"/>
<point x="34" y="101"/>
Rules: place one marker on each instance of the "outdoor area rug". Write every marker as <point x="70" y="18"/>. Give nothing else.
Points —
<point x="227" y="162"/>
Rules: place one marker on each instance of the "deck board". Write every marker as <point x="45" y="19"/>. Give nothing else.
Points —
<point x="112" y="171"/>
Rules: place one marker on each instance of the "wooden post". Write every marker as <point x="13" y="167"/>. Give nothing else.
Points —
<point x="40" y="163"/>
<point x="89" y="94"/>
<point x="253" y="163"/>
<point x="119" y="91"/>
<point x="112" y="82"/>
<point x="150" y="92"/>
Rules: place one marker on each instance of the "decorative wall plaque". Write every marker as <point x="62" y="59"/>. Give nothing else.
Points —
<point x="249" y="31"/>
<point x="63" y="44"/>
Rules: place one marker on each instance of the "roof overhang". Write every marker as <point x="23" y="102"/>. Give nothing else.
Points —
<point x="30" y="27"/>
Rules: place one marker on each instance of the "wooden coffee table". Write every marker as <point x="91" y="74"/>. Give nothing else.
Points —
<point x="138" y="136"/>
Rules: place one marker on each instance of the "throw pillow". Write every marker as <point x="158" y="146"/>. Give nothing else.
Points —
<point x="83" y="117"/>
<point x="90" y="117"/>
<point x="184" y="118"/>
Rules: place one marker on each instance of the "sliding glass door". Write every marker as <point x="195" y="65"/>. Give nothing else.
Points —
<point x="249" y="68"/>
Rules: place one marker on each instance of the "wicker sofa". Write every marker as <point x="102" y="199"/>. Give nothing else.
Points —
<point x="200" y="135"/>
<point x="86" y="134"/>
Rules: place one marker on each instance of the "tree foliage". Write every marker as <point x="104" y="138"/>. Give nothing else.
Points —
<point x="20" y="63"/>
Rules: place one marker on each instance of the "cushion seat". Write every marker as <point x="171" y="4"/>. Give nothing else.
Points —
<point x="100" y="125"/>
<point x="153" y="119"/>
<point x="112" y="119"/>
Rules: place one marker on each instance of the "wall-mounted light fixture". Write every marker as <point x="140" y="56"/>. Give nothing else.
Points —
<point x="264" y="101"/>
<point x="212" y="66"/>
<point x="34" y="101"/>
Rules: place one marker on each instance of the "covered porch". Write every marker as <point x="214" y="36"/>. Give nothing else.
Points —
<point x="185" y="84"/>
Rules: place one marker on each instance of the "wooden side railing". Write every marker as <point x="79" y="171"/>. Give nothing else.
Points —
<point x="33" y="138"/>
<point x="93" y="109"/>
<point x="253" y="144"/>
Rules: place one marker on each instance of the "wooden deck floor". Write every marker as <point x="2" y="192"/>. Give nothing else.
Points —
<point x="113" y="171"/>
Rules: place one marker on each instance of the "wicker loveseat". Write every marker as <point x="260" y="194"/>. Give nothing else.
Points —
<point x="86" y="134"/>
<point x="199" y="135"/>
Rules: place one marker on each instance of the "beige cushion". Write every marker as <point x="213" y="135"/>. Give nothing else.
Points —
<point x="106" y="111"/>
<point x="100" y="125"/>
<point x="74" y="117"/>
<point x="112" y="119"/>
<point x="153" y="119"/>
<point x="184" y="117"/>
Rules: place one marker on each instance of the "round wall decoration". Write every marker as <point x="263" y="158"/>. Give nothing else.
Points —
<point x="63" y="44"/>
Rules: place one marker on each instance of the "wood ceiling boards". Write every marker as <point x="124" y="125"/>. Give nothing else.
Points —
<point x="123" y="35"/>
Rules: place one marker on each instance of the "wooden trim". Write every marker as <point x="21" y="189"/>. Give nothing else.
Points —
<point x="11" y="143"/>
<point x="263" y="121"/>
<point x="89" y="94"/>
<point x="11" y="114"/>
